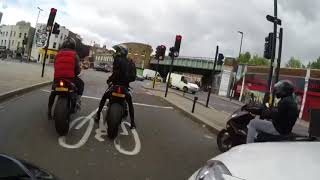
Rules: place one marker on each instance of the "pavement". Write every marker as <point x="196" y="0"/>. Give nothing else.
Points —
<point x="215" y="116"/>
<point x="167" y="144"/>
<point x="219" y="103"/>
<point x="15" y="75"/>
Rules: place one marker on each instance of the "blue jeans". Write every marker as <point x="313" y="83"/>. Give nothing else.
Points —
<point x="256" y="125"/>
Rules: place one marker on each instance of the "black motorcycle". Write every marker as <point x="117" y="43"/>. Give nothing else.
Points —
<point x="236" y="129"/>
<point x="67" y="103"/>
<point x="117" y="109"/>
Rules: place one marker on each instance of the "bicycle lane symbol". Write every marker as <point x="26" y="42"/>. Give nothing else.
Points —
<point x="100" y="132"/>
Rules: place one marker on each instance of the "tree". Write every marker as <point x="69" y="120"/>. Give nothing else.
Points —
<point x="244" y="58"/>
<point x="315" y="64"/>
<point x="258" y="61"/>
<point x="294" y="63"/>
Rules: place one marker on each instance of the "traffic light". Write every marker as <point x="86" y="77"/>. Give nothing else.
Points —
<point x="172" y="50"/>
<point x="220" y="59"/>
<point x="162" y="53"/>
<point x="177" y="45"/>
<point x="52" y="16"/>
<point x="55" y="29"/>
<point x="268" y="45"/>
<point x="157" y="53"/>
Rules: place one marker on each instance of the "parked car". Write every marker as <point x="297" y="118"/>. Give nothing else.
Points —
<point x="264" y="161"/>
<point x="103" y="67"/>
<point x="180" y="82"/>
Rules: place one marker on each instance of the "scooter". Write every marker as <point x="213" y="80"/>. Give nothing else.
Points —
<point x="235" y="132"/>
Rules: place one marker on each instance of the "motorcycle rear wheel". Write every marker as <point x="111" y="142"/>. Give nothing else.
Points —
<point x="61" y="116"/>
<point x="113" y="118"/>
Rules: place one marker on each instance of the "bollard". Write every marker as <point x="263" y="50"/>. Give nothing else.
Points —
<point x="194" y="103"/>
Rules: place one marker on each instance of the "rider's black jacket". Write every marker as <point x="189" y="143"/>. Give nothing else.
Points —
<point x="285" y="115"/>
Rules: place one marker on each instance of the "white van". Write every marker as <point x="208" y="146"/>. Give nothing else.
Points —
<point x="149" y="74"/>
<point x="181" y="83"/>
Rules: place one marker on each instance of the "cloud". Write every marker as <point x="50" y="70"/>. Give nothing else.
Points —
<point x="202" y="23"/>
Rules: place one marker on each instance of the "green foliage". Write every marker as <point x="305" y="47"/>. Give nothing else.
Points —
<point x="254" y="61"/>
<point x="315" y="64"/>
<point x="245" y="58"/>
<point x="294" y="63"/>
<point x="259" y="61"/>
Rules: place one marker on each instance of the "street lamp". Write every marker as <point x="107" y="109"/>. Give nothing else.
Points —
<point x="38" y="15"/>
<point x="240" y="32"/>
<point x="235" y="69"/>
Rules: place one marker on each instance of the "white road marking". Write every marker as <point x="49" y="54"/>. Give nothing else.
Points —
<point x="138" y="104"/>
<point x="85" y="137"/>
<point x="137" y="146"/>
<point x="101" y="131"/>
<point x="155" y="106"/>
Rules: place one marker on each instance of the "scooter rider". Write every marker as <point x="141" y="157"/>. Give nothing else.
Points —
<point x="283" y="117"/>
<point x="118" y="77"/>
<point x="67" y="66"/>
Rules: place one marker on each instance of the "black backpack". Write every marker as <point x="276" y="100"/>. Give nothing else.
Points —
<point x="131" y="71"/>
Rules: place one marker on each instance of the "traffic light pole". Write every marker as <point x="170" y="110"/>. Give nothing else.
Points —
<point x="168" y="80"/>
<point x="274" y="44"/>
<point x="278" y="62"/>
<point x="45" y="53"/>
<point x="212" y="76"/>
<point x="155" y="76"/>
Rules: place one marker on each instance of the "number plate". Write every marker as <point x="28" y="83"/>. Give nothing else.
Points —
<point x="118" y="95"/>
<point x="62" y="89"/>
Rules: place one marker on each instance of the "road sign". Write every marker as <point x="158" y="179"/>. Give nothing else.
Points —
<point x="272" y="19"/>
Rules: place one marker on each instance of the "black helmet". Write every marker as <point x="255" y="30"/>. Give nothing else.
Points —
<point x="69" y="43"/>
<point x="283" y="89"/>
<point x="121" y="50"/>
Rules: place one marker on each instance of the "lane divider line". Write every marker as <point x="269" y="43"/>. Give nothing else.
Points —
<point x="138" y="104"/>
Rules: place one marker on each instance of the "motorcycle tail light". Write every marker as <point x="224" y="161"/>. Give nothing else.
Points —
<point x="61" y="83"/>
<point x="119" y="90"/>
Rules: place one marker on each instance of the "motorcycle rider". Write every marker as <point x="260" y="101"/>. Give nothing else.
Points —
<point x="66" y="66"/>
<point x="118" y="77"/>
<point x="283" y="117"/>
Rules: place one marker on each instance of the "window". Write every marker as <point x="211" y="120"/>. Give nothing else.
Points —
<point x="1" y="42"/>
<point x="10" y="33"/>
<point x="12" y="42"/>
<point x="54" y="45"/>
<point x="5" y="42"/>
<point x="61" y="36"/>
<point x="20" y="34"/>
<point x="7" y="33"/>
<point x="14" y="34"/>
<point x="18" y="45"/>
<point x="25" y="34"/>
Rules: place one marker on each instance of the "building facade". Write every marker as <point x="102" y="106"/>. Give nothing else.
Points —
<point x="140" y="54"/>
<point x="101" y="56"/>
<point x="40" y="39"/>
<point x="17" y="38"/>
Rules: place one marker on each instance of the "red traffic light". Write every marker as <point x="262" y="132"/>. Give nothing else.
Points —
<point x="178" y="37"/>
<point x="53" y="11"/>
<point x="163" y="46"/>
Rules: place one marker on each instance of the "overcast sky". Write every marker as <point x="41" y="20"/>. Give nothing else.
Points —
<point x="202" y="23"/>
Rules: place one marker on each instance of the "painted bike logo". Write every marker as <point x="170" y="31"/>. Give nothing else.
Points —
<point x="78" y="123"/>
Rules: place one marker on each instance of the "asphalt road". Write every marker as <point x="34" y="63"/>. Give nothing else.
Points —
<point x="166" y="145"/>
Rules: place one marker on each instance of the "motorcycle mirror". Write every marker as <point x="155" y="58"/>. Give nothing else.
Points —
<point x="12" y="168"/>
<point x="16" y="169"/>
